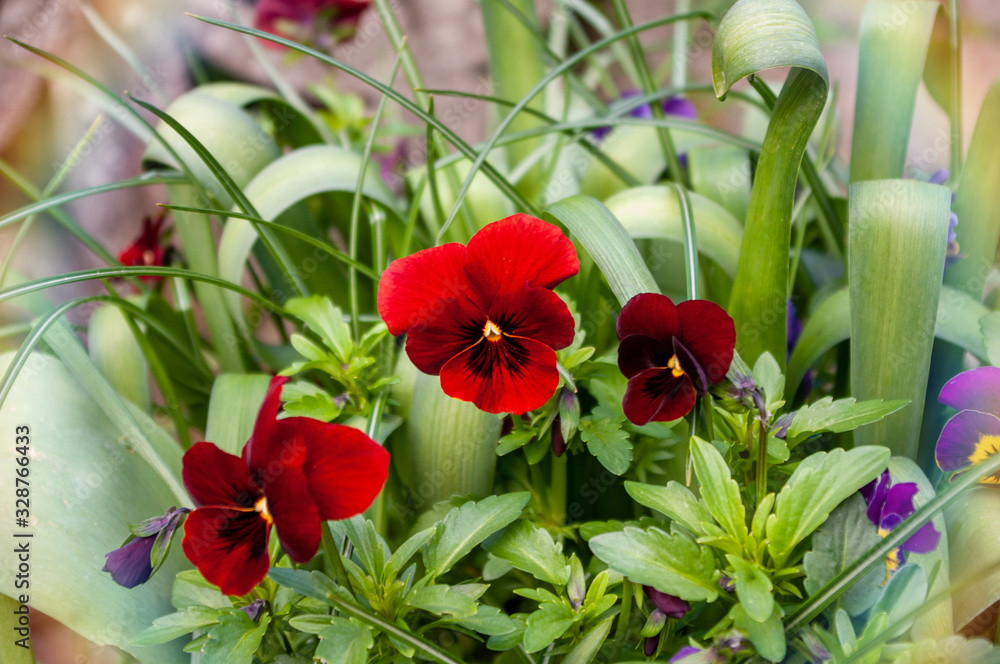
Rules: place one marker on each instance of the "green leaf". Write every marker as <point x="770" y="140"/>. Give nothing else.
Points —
<point x="440" y="599"/>
<point x="235" y="639"/>
<point x="608" y="442"/>
<point x="311" y="584"/>
<point x="675" y="501"/>
<point x="654" y="213"/>
<point x="547" y="624"/>
<point x="174" y="625"/>
<point x="326" y="320"/>
<point x="753" y="36"/>
<point x="532" y="550"/>
<point x="820" y="482"/>
<point x="608" y="243"/>
<point x="902" y="597"/>
<point x="232" y="410"/>
<point x="406" y="550"/>
<point x="890" y="65"/>
<point x="466" y="526"/>
<point x="307" y="400"/>
<point x="766" y="636"/>
<point x="488" y="620"/>
<point x="587" y="648"/>
<point x="842" y="539"/>
<point x="837" y="416"/>
<point x="767" y="373"/>
<point x="368" y="546"/>
<point x="672" y="564"/>
<point x="753" y="588"/>
<point x="191" y="589"/>
<point x="895" y="263"/>
<point x="718" y="489"/>
<point x="115" y="352"/>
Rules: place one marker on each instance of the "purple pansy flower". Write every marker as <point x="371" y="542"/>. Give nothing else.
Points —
<point x="679" y="107"/>
<point x="133" y="563"/>
<point x="973" y="435"/>
<point x="888" y="505"/>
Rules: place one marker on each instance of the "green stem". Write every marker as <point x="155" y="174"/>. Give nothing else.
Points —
<point x="690" y="242"/>
<point x="624" y="617"/>
<point x="955" y="107"/>
<point x="709" y="415"/>
<point x="557" y="490"/>
<point x="689" y="465"/>
<point x="761" y="459"/>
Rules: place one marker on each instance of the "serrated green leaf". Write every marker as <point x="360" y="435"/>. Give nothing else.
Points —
<point x="672" y="564"/>
<point x="674" y="500"/>
<point x="488" y="620"/>
<point x="547" y="624"/>
<point x="766" y="636"/>
<point x="174" y="625"/>
<point x="837" y="416"/>
<point x="326" y="320"/>
<point x="510" y="639"/>
<point x="466" y="526"/>
<point x="608" y="442"/>
<point x="440" y="599"/>
<point x="753" y="588"/>
<point x="532" y="550"/>
<point x="235" y="639"/>
<point x="344" y="642"/>
<point x="718" y="489"/>
<point x="311" y="584"/>
<point x="843" y="538"/>
<point x="406" y="550"/>
<point x="820" y="483"/>
<point x="515" y="441"/>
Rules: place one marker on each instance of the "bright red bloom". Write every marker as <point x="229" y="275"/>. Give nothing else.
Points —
<point x="146" y="250"/>
<point x="670" y="354"/>
<point x="294" y="474"/>
<point x="484" y="317"/>
<point x="294" y="18"/>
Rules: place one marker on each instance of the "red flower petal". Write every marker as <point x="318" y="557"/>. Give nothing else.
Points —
<point x="273" y="444"/>
<point x="444" y="329"/>
<point x="535" y="313"/>
<point x="295" y="514"/>
<point x="410" y="283"/>
<point x="637" y="352"/>
<point x="655" y="395"/>
<point x="710" y="334"/>
<point x="228" y="547"/>
<point x="516" y="250"/>
<point x="344" y="468"/>
<point x="216" y="478"/>
<point x="651" y="314"/>
<point x="512" y="375"/>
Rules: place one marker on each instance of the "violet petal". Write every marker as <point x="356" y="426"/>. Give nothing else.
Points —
<point x="978" y="389"/>
<point x="965" y="437"/>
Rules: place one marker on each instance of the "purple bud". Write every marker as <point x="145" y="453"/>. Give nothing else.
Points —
<point x="131" y="564"/>
<point x="254" y="609"/>
<point x="727" y="584"/>
<point x="558" y="442"/>
<point x="673" y="607"/>
<point x="649" y="647"/>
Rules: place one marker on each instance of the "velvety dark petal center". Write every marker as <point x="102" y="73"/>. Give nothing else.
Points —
<point x="691" y="366"/>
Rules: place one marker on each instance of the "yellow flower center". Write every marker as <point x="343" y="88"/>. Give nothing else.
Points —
<point x="675" y="367"/>
<point x="891" y="564"/>
<point x="491" y="331"/>
<point x="149" y="257"/>
<point x="261" y="506"/>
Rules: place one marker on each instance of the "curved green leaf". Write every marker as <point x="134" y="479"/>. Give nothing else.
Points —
<point x="756" y="35"/>
<point x="973" y="528"/>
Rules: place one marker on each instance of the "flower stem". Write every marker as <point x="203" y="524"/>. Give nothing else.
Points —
<point x="623" y="616"/>
<point x="762" y="460"/>
<point x="557" y="490"/>
<point x="706" y="401"/>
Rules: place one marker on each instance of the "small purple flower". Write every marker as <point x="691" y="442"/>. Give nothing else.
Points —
<point x="692" y="655"/>
<point x="134" y="562"/>
<point x="952" y="254"/>
<point x="677" y="106"/>
<point x="793" y="328"/>
<point x="254" y="609"/>
<point x="727" y="584"/>
<point x="888" y="506"/>
<point x="670" y="606"/>
<point x="939" y="176"/>
<point x="973" y="435"/>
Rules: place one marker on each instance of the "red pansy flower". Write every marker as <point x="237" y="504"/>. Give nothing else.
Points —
<point x="484" y="317"/>
<point x="294" y="474"/>
<point x="670" y="354"/>
<point x="294" y="18"/>
<point x="146" y="250"/>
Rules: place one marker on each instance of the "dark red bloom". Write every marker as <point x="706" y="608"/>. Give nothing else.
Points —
<point x="146" y="250"/>
<point x="670" y="354"/>
<point x="294" y="19"/>
<point x="294" y="474"/>
<point x="484" y="317"/>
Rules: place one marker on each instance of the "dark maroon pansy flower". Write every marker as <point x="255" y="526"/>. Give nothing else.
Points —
<point x="294" y="19"/>
<point x="134" y="562"/>
<point x="294" y="474"/>
<point x="671" y="354"/>
<point x="146" y="250"/>
<point x="888" y="505"/>
<point x="973" y="435"/>
<point x="484" y="317"/>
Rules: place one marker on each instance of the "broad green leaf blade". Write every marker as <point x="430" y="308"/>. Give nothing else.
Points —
<point x="654" y="213"/>
<point x="452" y="444"/>
<point x="842" y="539"/>
<point x="977" y="205"/>
<point x="820" y="482"/>
<point x="607" y="441"/>
<point x="895" y="262"/>
<point x="532" y="550"/>
<point x="719" y="491"/>
<point x="174" y="625"/>
<point x="672" y="564"/>
<point x="973" y="529"/>
<point x="607" y="241"/>
<point x="77" y="457"/>
<point x="235" y="639"/>
<point x="547" y="624"/>
<point x="344" y="642"/>
<point x="837" y="416"/>
<point x="756" y="35"/>
<point x="891" y="63"/>
<point x="488" y="620"/>
<point x="115" y="352"/>
<point x="753" y="588"/>
<point x="232" y="411"/>
<point x="674" y="500"/>
<point x="587" y="648"/>
<point x="958" y="322"/>
<point x="466" y="526"/>
<point x="439" y="599"/>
